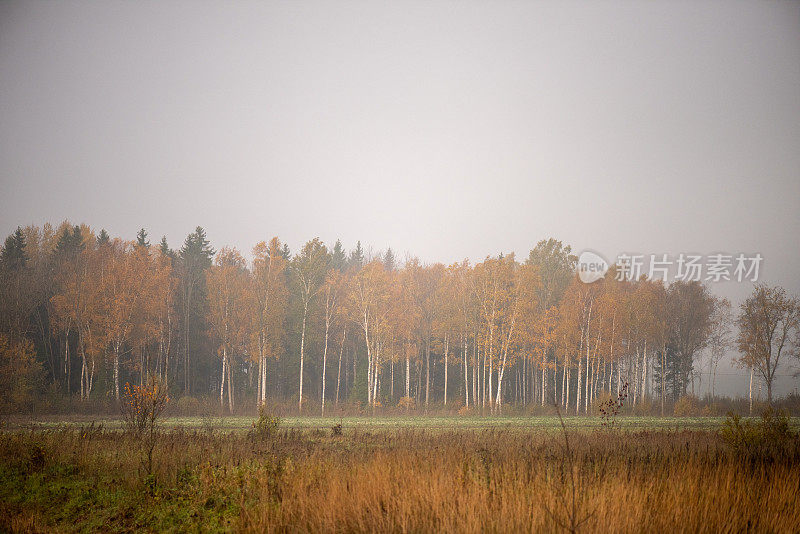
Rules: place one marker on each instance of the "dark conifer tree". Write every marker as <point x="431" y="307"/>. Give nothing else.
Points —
<point x="357" y="256"/>
<point x="103" y="238"/>
<point x="70" y="242"/>
<point x="164" y="248"/>
<point x="338" y="256"/>
<point x="195" y="257"/>
<point x="13" y="256"/>
<point x="141" y="238"/>
<point x="389" y="261"/>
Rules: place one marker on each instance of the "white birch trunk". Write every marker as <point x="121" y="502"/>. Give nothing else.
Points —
<point x="264" y="380"/>
<point x="369" y="358"/>
<point x="466" y="375"/>
<point x="544" y="379"/>
<point x="116" y="369"/>
<point x="578" y="388"/>
<point x="588" y="344"/>
<point x="446" y="348"/>
<point x="222" y="379"/>
<point x="302" y="344"/>
<point x="339" y="371"/>
<point x="324" y="365"/>
<point x="230" y="388"/>
<point x="408" y="375"/>
<point x="644" y="372"/>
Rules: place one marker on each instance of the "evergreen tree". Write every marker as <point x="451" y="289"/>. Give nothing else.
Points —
<point x="141" y="238"/>
<point x="196" y="248"/>
<point x="675" y="372"/>
<point x="285" y="252"/>
<point x="70" y="242"/>
<point x="389" y="261"/>
<point x="103" y="238"/>
<point x="164" y="248"/>
<point x="690" y="308"/>
<point x="195" y="257"/>
<point x="357" y="256"/>
<point x="13" y="256"/>
<point x="338" y="257"/>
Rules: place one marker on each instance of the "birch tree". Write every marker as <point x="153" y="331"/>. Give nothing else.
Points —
<point x="228" y="284"/>
<point x="720" y="341"/>
<point x="768" y="325"/>
<point x="121" y="293"/>
<point x="423" y="288"/>
<point x="271" y="298"/>
<point x="332" y="290"/>
<point x="309" y="268"/>
<point x="369" y="294"/>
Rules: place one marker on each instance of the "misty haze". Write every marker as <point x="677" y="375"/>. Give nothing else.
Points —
<point x="401" y="266"/>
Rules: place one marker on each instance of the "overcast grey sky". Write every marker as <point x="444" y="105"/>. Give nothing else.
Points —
<point x="442" y="129"/>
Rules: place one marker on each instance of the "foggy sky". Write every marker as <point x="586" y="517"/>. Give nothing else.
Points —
<point x="442" y="129"/>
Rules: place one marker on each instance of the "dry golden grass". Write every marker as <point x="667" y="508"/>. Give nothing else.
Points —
<point x="410" y="480"/>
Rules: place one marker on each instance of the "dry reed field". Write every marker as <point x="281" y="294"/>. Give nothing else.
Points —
<point x="401" y="479"/>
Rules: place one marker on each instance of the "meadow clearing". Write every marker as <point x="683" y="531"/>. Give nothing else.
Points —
<point x="401" y="474"/>
<point x="544" y="423"/>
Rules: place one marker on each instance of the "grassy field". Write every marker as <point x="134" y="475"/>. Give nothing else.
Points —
<point x="397" y="474"/>
<point x="543" y="423"/>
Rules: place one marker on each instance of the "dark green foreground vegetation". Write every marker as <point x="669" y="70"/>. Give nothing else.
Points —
<point x="392" y="474"/>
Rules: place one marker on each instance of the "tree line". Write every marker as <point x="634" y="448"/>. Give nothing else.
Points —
<point x="81" y="314"/>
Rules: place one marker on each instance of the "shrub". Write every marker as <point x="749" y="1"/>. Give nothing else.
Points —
<point x="266" y="425"/>
<point x="141" y="406"/>
<point x="600" y="399"/>
<point x="609" y="409"/>
<point x="336" y="430"/>
<point x="644" y="407"/>
<point x="405" y="402"/>
<point x="687" y="406"/>
<point x="19" y="374"/>
<point x="187" y="405"/>
<point x="768" y="437"/>
<point x="791" y="403"/>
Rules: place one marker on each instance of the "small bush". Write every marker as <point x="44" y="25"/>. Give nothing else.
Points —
<point x="465" y="410"/>
<point x="336" y="430"/>
<point x="141" y="406"/>
<point x="687" y="406"/>
<point x="209" y="424"/>
<point x="610" y="408"/>
<point x="266" y="426"/>
<point x="769" y="437"/>
<point x="602" y="398"/>
<point x="187" y="405"/>
<point x="791" y="403"/>
<point x="644" y="407"/>
<point x="19" y="374"/>
<point x="406" y="403"/>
